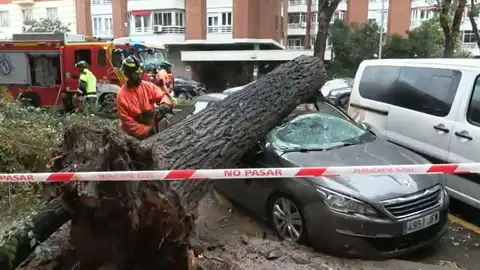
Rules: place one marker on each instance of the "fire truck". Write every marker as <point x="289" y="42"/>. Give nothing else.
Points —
<point x="41" y="66"/>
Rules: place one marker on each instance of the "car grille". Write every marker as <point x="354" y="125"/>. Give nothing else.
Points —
<point x="412" y="204"/>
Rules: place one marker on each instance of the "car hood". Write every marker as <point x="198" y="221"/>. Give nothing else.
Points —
<point x="368" y="188"/>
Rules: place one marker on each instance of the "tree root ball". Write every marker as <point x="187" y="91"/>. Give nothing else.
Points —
<point x="148" y="225"/>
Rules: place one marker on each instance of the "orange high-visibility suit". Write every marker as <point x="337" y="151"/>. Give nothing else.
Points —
<point x="136" y="107"/>
<point x="163" y="76"/>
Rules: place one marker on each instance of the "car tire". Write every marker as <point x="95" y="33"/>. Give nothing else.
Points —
<point x="29" y="99"/>
<point x="293" y="218"/>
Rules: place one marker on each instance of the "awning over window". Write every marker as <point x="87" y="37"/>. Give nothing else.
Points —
<point x="427" y="8"/>
<point x="144" y="12"/>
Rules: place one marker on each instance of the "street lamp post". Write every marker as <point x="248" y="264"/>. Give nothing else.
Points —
<point x="382" y="26"/>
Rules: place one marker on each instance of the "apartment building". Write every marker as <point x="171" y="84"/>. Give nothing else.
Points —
<point x="18" y="15"/>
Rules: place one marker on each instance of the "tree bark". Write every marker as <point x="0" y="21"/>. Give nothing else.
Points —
<point x="471" y="17"/>
<point x="326" y="8"/>
<point x="308" y="30"/>
<point x="20" y="244"/>
<point x="148" y="225"/>
<point x="451" y="32"/>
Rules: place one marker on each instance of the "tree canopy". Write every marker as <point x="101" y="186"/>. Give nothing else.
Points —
<point x="46" y="25"/>
<point x="353" y="44"/>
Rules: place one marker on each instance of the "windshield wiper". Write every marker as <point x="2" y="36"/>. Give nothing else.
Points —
<point x="303" y="150"/>
<point x="344" y="144"/>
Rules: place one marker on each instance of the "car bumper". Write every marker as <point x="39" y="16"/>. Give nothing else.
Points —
<point x="367" y="238"/>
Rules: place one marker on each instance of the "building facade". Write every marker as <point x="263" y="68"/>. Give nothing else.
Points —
<point x="18" y="15"/>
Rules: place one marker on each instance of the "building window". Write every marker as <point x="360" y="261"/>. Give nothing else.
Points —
<point x="4" y="19"/>
<point x="172" y="22"/>
<point x="422" y="14"/>
<point x="469" y="37"/>
<point x="179" y="20"/>
<point x="52" y="14"/>
<point x="297" y="18"/>
<point x="219" y="22"/>
<point x="295" y="44"/>
<point x="102" y="26"/>
<point x="142" y="23"/>
<point x="27" y="16"/>
<point x="227" y="19"/>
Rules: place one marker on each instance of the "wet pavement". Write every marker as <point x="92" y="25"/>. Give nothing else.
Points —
<point x="458" y="249"/>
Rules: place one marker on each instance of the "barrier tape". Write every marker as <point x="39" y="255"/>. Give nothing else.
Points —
<point x="298" y="172"/>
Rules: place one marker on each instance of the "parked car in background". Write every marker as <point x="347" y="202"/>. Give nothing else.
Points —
<point x="338" y="91"/>
<point x="235" y="89"/>
<point x="430" y="106"/>
<point x="187" y="88"/>
<point x="359" y="215"/>
<point x="203" y="101"/>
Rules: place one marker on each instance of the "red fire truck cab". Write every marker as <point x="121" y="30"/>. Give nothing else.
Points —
<point x="41" y="67"/>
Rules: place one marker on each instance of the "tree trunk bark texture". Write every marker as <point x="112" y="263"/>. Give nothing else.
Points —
<point x="35" y="230"/>
<point x="148" y="225"/>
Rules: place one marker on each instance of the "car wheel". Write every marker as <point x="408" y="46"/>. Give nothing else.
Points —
<point x="287" y="219"/>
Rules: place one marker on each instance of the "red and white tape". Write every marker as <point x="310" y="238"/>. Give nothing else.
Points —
<point x="298" y="172"/>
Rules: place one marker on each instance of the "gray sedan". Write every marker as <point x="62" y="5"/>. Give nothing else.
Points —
<point x="368" y="216"/>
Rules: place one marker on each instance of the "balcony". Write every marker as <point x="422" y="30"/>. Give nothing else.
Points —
<point x="165" y="30"/>
<point x="103" y="33"/>
<point x="222" y="29"/>
<point x="165" y="35"/>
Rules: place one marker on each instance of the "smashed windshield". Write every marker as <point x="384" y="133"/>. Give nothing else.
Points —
<point x="316" y="131"/>
<point x="158" y="56"/>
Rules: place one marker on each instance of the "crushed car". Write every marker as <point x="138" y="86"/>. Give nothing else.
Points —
<point x="358" y="215"/>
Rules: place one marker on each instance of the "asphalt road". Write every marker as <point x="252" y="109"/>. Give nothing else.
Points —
<point x="460" y="247"/>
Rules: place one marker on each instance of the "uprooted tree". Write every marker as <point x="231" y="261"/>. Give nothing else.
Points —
<point x="148" y="225"/>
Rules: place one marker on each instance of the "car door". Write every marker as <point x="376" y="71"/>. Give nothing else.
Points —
<point x="423" y="114"/>
<point x="257" y="190"/>
<point x="465" y="145"/>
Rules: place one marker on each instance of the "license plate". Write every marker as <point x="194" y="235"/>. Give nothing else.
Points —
<point x="421" y="223"/>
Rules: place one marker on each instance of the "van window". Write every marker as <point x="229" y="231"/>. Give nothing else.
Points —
<point x="473" y="113"/>
<point x="101" y="58"/>
<point x="426" y="90"/>
<point x="83" y="55"/>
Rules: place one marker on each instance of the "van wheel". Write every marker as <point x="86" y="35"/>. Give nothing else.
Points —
<point x="107" y="103"/>
<point x="29" y="99"/>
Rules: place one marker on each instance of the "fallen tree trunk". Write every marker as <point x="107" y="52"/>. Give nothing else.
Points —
<point x="147" y="225"/>
<point x="22" y="239"/>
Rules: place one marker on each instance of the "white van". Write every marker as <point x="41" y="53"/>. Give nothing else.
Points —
<point x="431" y="106"/>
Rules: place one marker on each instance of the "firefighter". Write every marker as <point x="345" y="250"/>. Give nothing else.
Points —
<point x="87" y="85"/>
<point x="164" y="76"/>
<point x="136" y="101"/>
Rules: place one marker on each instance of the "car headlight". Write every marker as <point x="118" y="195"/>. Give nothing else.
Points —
<point x="345" y="204"/>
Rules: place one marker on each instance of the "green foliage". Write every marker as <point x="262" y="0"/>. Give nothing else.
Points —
<point x="352" y="45"/>
<point x="427" y="40"/>
<point x="47" y="25"/>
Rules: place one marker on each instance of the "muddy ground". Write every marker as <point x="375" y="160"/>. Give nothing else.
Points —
<point x="227" y="232"/>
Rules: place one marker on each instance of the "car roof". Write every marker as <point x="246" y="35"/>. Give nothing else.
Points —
<point x="463" y="62"/>
<point x="211" y="97"/>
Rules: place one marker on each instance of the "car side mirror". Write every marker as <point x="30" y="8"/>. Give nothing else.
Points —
<point x="366" y="126"/>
